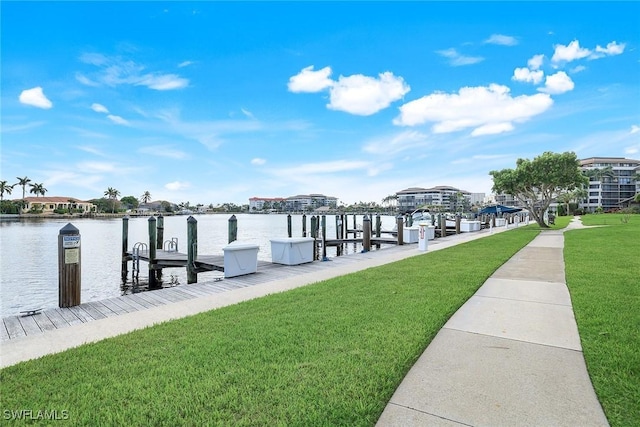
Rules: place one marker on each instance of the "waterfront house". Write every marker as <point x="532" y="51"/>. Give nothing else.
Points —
<point x="50" y="204"/>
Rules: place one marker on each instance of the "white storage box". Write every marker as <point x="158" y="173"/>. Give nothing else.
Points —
<point x="469" y="226"/>
<point x="292" y="250"/>
<point x="240" y="259"/>
<point x="410" y="234"/>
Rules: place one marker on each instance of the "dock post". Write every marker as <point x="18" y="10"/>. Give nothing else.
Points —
<point x="153" y="237"/>
<point x="378" y="229"/>
<point x="69" y="283"/>
<point x="338" y="235"/>
<point x="315" y="236"/>
<point x="324" y="238"/>
<point x="304" y="225"/>
<point x="400" y="228"/>
<point x="458" y="219"/>
<point x="192" y="249"/>
<point x="160" y="228"/>
<point x="443" y="226"/>
<point x="289" y="226"/>
<point x="355" y="226"/>
<point x="366" y="234"/>
<point x="125" y="245"/>
<point x="233" y="229"/>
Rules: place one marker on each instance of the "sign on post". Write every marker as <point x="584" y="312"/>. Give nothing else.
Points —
<point x="69" y="284"/>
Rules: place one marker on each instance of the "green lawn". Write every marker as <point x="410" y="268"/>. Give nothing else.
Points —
<point x="331" y="353"/>
<point x="603" y="275"/>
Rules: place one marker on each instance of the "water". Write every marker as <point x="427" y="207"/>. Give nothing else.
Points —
<point x="29" y="252"/>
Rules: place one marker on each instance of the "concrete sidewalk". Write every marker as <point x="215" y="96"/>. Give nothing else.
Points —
<point x="510" y="356"/>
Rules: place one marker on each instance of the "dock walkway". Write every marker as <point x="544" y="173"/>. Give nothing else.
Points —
<point x="57" y="329"/>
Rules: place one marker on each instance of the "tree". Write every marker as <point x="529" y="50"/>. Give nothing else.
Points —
<point x="5" y="188"/>
<point x="130" y="201"/>
<point x="536" y="183"/>
<point x="566" y="198"/>
<point x="112" y="194"/>
<point x="38" y="189"/>
<point x="146" y="197"/>
<point x="23" y="182"/>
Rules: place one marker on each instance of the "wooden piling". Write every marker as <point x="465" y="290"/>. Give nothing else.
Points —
<point x="160" y="228"/>
<point x="378" y="229"/>
<point x="399" y="226"/>
<point x="443" y="225"/>
<point x="314" y="234"/>
<point x="458" y="220"/>
<point x="233" y="229"/>
<point x="324" y="238"/>
<point x="69" y="278"/>
<point x="192" y="249"/>
<point x="289" y="226"/>
<point x="304" y="225"/>
<point x="366" y="234"/>
<point x="153" y="237"/>
<point x="125" y="245"/>
<point x="338" y="235"/>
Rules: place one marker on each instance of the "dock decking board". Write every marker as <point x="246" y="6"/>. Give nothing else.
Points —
<point x="56" y="318"/>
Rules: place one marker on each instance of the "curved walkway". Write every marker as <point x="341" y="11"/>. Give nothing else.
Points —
<point x="510" y="356"/>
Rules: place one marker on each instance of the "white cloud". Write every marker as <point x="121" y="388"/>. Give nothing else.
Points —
<point x="492" y="129"/>
<point x="363" y="95"/>
<point x="96" y="167"/>
<point x="114" y="71"/>
<point x="457" y="59"/>
<point x="177" y="185"/>
<point x="569" y="53"/>
<point x="163" y="151"/>
<point x="634" y="129"/>
<point x="99" y="108"/>
<point x="535" y="62"/>
<point x="557" y="83"/>
<point x="162" y="81"/>
<point x="308" y="80"/>
<point x="612" y="48"/>
<point x="526" y="75"/>
<point x="483" y="109"/>
<point x="258" y="161"/>
<point x="407" y="140"/>
<point x="323" y="168"/>
<point x="185" y="64"/>
<point x="118" y="120"/>
<point x="502" y="40"/>
<point x="35" y="97"/>
<point x="247" y="113"/>
<point x="578" y="69"/>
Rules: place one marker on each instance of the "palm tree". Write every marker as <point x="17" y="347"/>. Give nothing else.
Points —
<point x="38" y="189"/>
<point x="23" y="182"/>
<point x="5" y="188"/>
<point x="112" y="194"/>
<point x="146" y="197"/>
<point x="565" y="198"/>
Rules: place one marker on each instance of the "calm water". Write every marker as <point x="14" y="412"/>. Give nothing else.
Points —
<point x="29" y="252"/>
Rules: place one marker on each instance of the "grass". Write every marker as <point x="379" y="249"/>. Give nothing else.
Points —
<point x="603" y="274"/>
<point x="331" y="353"/>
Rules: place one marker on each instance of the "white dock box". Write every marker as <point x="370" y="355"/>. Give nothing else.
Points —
<point x="240" y="259"/>
<point x="292" y="250"/>
<point x="410" y="234"/>
<point x="469" y="226"/>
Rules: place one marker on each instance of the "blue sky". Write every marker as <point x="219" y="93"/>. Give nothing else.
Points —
<point x="213" y="102"/>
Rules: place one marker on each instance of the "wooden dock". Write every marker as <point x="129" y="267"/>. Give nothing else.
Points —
<point x="170" y="259"/>
<point x="17" y="326"/>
